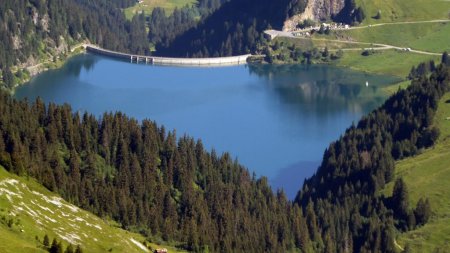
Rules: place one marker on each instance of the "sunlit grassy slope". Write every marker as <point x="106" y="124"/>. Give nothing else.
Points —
<point x="428" y="176"/>
<point x="34" y="212"/>
<point x="148" y="5"/>
<point x="391" y="62"/>
<point x="404" y="10"/>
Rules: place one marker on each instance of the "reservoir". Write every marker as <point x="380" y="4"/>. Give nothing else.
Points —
<point x="276" y="120"/>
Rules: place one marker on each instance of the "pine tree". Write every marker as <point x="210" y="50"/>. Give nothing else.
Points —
<point x="78" y="249"/>
<point x="445" y="59"/>
<point x="69" y="249"/>
<point x="55" y="248"/>
<point x="46" y="241"/>
<point x="400" y="198"/>
<point x="422" y="212"/>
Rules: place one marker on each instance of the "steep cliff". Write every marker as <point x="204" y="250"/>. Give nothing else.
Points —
<point x="316" y="10"/>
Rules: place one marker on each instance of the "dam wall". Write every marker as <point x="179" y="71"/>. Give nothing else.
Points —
<point x="215" y="61"/>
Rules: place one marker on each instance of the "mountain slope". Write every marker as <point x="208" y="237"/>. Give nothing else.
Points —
<point x="427" y="176"/>
<point x="235" y="28"/>
<point x="34" y="211"/>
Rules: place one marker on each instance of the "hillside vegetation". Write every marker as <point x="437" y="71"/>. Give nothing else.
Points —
<point x="28" y="212"/>
<point x="427" y="175"/>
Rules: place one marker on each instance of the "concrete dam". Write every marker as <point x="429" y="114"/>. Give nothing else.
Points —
<point x="215" y="61"/>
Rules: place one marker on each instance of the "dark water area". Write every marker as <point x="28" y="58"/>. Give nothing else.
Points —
<point x="276" y="120"/>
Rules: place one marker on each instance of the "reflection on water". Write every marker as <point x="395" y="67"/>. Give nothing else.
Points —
<point x="272" y="118"/>
<point x="323" y="90"/>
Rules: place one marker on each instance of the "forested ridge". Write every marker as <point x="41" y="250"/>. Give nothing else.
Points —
<point x="32" y="29"/>
<point x="170" y="188"/>
<point x="343" y="192"/>
<point x="235" y="28"/>
<point x="145" y="178"/>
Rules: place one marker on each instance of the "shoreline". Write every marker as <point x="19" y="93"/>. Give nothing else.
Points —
<point x="45" y="65"/>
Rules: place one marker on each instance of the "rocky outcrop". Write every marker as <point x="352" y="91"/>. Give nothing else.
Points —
<point x="316" y="10"/>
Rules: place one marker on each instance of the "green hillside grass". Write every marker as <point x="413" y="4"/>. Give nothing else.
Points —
<point x="404" y="10"/>
<point x="390" y="62"/>
<point x="431" y="37"/>
<point x="318" y="42"/>
<point x="147" y="6"/>
<point x="428" y="176"/>
<point x="34" y="212"/>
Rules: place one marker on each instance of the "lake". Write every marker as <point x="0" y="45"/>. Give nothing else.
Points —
<point x="276" y="120"/>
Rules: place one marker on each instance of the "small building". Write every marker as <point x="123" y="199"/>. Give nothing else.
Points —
<point x="163" y="250"/>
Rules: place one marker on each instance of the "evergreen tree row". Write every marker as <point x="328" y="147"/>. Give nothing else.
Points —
<point x="57" y="247"/>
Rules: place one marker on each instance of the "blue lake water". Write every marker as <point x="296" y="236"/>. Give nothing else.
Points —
<point x="276" y="119"/>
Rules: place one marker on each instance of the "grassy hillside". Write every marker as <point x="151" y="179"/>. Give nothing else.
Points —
<point x="28" y="211"/>
<point x="390" y="62"/>
<point x="148" y="5"/>
<point x="427" y="176"/>
<point x="431" y="37"/>
<point x="404" y="10"/>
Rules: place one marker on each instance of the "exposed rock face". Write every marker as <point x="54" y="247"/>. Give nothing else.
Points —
<point x="316" y="10"/>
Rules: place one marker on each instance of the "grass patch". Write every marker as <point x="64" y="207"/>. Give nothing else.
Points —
<point x="390" y="62"/>
<point x="428" y="175"/>
<point x="147" y="6"/>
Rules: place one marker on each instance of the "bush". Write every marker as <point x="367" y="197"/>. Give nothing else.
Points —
<point x="378" y="15"/>
<point x="367" y="52"/>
